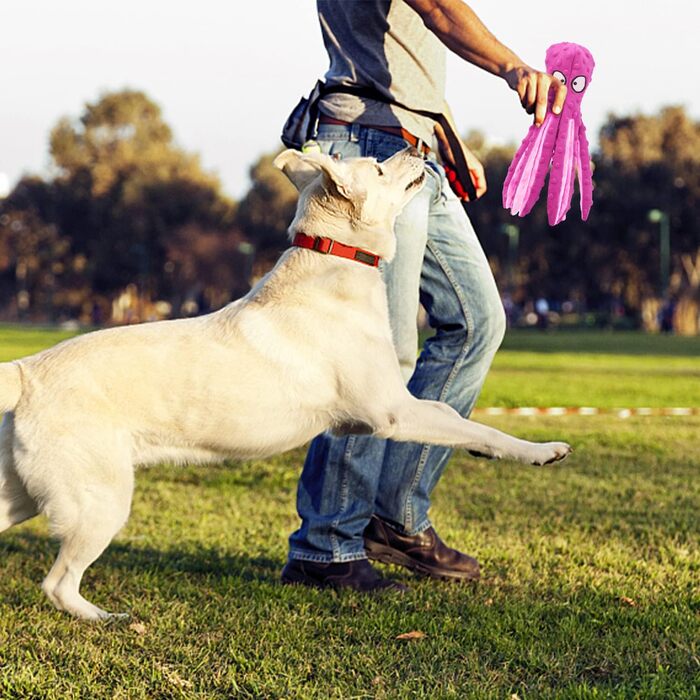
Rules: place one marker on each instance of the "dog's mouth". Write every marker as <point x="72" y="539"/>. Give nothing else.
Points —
<point x="417" y="182"/>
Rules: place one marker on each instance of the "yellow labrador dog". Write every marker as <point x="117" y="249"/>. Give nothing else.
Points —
<point x="308" y="349"/>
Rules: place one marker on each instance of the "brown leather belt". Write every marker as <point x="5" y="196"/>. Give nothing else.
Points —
<point x="395" y="130"/>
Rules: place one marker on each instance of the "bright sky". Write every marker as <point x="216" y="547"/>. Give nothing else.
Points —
<point x="227" y="72"/>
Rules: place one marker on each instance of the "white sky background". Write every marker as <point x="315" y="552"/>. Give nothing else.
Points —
<point x="227" y="72"/>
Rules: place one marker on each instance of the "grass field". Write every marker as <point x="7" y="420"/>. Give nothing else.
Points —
<point x="591" y="568"/>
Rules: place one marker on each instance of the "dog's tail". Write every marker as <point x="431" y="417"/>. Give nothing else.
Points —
<point x="10" y="386"/>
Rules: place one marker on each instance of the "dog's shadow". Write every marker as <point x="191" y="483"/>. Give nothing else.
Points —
<point x="203" y="561"/>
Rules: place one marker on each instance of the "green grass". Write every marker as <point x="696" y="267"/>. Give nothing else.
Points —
<point x="607" y="370"/>
<point x="591" y="568"/>
<point x="19" y="341"/>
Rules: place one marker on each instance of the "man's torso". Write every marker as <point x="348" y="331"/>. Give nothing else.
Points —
<point x="384" y="45"/>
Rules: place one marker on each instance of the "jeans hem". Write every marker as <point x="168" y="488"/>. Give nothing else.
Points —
<point x="425" y="524"/>
<point x="326" y="558"/>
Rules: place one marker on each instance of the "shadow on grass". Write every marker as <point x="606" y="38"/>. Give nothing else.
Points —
<point x="566" y="631"/>
<point x="601" y="342"/>
<point x="205" y="561"/>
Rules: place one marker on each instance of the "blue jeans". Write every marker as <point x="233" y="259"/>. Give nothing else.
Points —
<point x="439" y="263"/>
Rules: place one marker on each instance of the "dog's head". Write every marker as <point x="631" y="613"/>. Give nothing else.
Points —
<point x="356" y="200"/>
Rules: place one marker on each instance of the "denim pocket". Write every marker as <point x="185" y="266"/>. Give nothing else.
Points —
<point x="343" y="149"/>
<point x="336" y="140"/>
<point x="381" y="145"/>
<point x="437" y="175"/>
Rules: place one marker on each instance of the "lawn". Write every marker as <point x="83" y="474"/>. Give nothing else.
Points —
<point x="591" y="568"/>
<point x="606" y="370"/>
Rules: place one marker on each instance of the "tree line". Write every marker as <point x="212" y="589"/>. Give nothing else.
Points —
<point x="128" y="226"/>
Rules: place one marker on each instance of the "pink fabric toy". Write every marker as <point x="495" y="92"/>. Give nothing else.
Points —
<point x="560" y="139"/>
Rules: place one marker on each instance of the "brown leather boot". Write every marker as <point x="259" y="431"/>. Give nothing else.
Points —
<point x="424" y="553"/>
<point x="356" y="575"/>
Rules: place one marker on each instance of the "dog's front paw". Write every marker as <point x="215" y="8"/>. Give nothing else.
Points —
<point x="549" y="452"/>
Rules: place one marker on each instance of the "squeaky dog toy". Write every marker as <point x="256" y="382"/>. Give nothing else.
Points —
<point x="561" y="140"/>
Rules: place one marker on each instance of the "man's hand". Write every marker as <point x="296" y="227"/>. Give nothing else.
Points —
<point x="476" y="169"/>
<point x="533" y="88"/>
<point x="458" y="27"/>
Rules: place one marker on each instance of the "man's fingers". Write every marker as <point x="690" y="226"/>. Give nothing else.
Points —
<point x="559" y="96"/>
<point x="479" y="180"/>
<point x="522" y="91"/>
<point x="527" y="89"/>
<point x="543" y="83"/>
<point x="533" y="89"/>
<point x="531" y="95"/>
<point x="477" y="174"/>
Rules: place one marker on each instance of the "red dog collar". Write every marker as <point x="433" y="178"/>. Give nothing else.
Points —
<point x="327" y="246"/>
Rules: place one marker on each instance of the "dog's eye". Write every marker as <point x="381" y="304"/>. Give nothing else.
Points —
<point x="379" y="171"/>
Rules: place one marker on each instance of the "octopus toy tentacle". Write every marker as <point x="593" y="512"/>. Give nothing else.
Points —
<point x="585" y="178"/>
<point x="561" y="178"/>
<point x="528" y="170"/>
<point x="515" y="171"/>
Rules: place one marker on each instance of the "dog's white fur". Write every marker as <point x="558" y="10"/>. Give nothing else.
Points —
<point x="308" y="349"/>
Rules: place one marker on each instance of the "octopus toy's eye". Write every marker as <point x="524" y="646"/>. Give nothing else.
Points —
<point x="578" y="83"/>
<point x="559" y="76"/>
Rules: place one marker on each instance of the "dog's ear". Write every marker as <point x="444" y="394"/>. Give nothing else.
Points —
<point x="302" y="168"/>
<point x="293" y="164"/>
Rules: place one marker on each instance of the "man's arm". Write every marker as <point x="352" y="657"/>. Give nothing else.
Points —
<point x="458" y="27"/>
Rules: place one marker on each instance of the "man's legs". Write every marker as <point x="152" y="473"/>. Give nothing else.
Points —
<point x="346" y="480"/>
<point x="460" y="295"/>
<point x="338" y="484"/>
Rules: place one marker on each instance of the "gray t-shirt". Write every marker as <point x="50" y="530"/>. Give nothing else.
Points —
<point x="382" y="44"/>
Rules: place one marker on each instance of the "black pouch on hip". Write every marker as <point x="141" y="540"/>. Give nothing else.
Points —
<point x="302" y="123"/>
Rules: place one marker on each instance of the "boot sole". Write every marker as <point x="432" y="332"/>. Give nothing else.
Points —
<point x="388" y="555"/>
<point x="301" y="580"/>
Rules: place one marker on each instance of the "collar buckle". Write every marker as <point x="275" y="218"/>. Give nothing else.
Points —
<point x="330" y="246"/>
<point x="323" y="245"/>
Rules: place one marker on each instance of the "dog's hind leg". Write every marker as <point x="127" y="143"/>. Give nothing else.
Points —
<point x="85" y="517"/>
<point x="101" y="516"/>
<point x="16" y="504"/>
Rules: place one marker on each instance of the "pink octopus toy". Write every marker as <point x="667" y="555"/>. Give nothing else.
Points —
<point x="560" y="139"/>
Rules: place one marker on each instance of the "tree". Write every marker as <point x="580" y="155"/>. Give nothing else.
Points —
<point x="266" y="211"/>
<point x="125" y="205"/>
<point x="648" y="162"/>
<point x="120" y="191"/>
<point x="122" y="176"/>
<point x="39" y="273"/>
